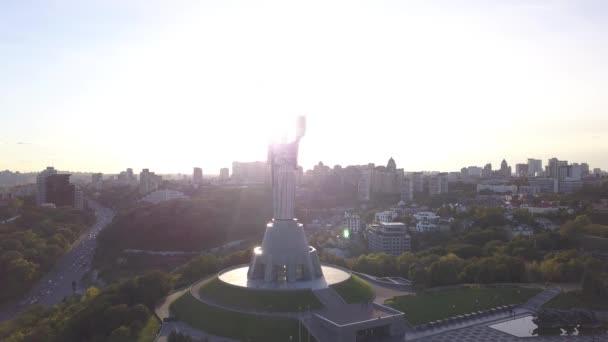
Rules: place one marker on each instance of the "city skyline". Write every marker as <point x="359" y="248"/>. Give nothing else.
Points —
<point x="208" y="172"/>
<point x="436" y="86"/>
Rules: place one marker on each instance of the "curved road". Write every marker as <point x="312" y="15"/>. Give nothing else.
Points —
<point x="57" y="284"/>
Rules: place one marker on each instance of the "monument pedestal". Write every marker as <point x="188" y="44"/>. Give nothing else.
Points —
<point x="285" y="255"/>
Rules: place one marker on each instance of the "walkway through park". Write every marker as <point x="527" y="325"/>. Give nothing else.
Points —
<point x="482" y="321"/>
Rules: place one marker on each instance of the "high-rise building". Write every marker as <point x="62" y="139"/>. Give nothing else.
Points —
<point x="521" y="170"/>
<point x="148" y="181"/>
<point x="96" y="180"/>
<point x="41" y="195"/>
<point x="557" y="169"/>
<point x="224" y="174"/>
<point x="59" y="191"/>
<point x="575" y="171"/>
<point x="417" y="182"/>
<point x="585" y="169"/>
<point x="535" y="167"/>
<point x="391" y="165"/>
<point x="78" y="198"/>
<point x="130" y="176"/>
<point x="197" y="175"/>
<point x="487" y="171"/>
<point x="471" y="171"/>
<point x="388" y="237"/>
<point x="250" y="172"/>
<point x="379" y="180"/>
<point x="364" y="186"/>
<point x="505" y="169"/>
<point x="438" y="184"/>
<point x="352" y="221"/>
<point x="407" y="190"/>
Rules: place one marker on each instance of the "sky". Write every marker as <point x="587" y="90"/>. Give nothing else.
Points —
<point x="169" y="85"/>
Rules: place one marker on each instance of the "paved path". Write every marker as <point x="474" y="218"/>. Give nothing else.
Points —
<point x="385" y="293"/>
<point x="162" y="311"/>
<point x="10" y="219"/>
<point x="184" y="328"/>
<point x="485" y="333"/>
<point x="540" y="299"/>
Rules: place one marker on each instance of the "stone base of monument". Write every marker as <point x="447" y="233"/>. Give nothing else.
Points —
<point x="285" y="255"/>
<point x="237" y="276"/>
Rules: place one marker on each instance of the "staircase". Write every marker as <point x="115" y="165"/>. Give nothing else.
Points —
<point x="329" y="298"/>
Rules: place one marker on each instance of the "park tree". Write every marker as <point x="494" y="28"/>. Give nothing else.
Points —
<point x="153" y="286"/>
<point x="419" y="276"/>
<point x="446" y="270"/>
<point x="465" y="251"/>
<point x="121" y="334"/>
<point x="595" y="285"/>
<point x="404" y="263"/>
<point x="574" y="227"/>
<point x="91" y="292"/>
<point x="197" y="268"/>
<point x="492" y="247"/>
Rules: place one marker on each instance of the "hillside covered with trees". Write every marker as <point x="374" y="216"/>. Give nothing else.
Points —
<point x="209" y="219"/>
<point x="192" y="224"/>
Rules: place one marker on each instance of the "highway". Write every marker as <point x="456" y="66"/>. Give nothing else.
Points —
<point x="57" y="284"/>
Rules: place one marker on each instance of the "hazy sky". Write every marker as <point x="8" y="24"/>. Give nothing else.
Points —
<point x="106" y="85"/>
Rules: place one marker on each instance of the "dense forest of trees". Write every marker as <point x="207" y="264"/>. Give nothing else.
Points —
<point x="117" y="313"/>
<point x="31" y="245"/>
<point x="487" y="255"/>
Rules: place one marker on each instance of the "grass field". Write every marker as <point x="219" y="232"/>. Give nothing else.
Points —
<point x="574" y="299"/>
<point x="148" y="333"/>
<point x="355" y="290"/>
<point x="236" y="325"/>
<point x="431" y="306"/>
<point x="277" y="301"/>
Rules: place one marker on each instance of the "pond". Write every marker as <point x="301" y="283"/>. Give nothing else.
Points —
<point x="525" y="327"/>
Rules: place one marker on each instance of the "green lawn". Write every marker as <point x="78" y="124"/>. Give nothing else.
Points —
<point x="574" y="299"/>
<point x="148" y="333"/>
<point x="235" y="325"/>
<point x="355" y="290"/>
<point x="277" y="301"/>
<point x="431" y="306"/>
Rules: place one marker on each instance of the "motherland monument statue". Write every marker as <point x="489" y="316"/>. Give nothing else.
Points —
<point x="285" y="255"/>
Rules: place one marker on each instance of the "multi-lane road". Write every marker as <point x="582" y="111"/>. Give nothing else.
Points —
<point x="58" y="283"/>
